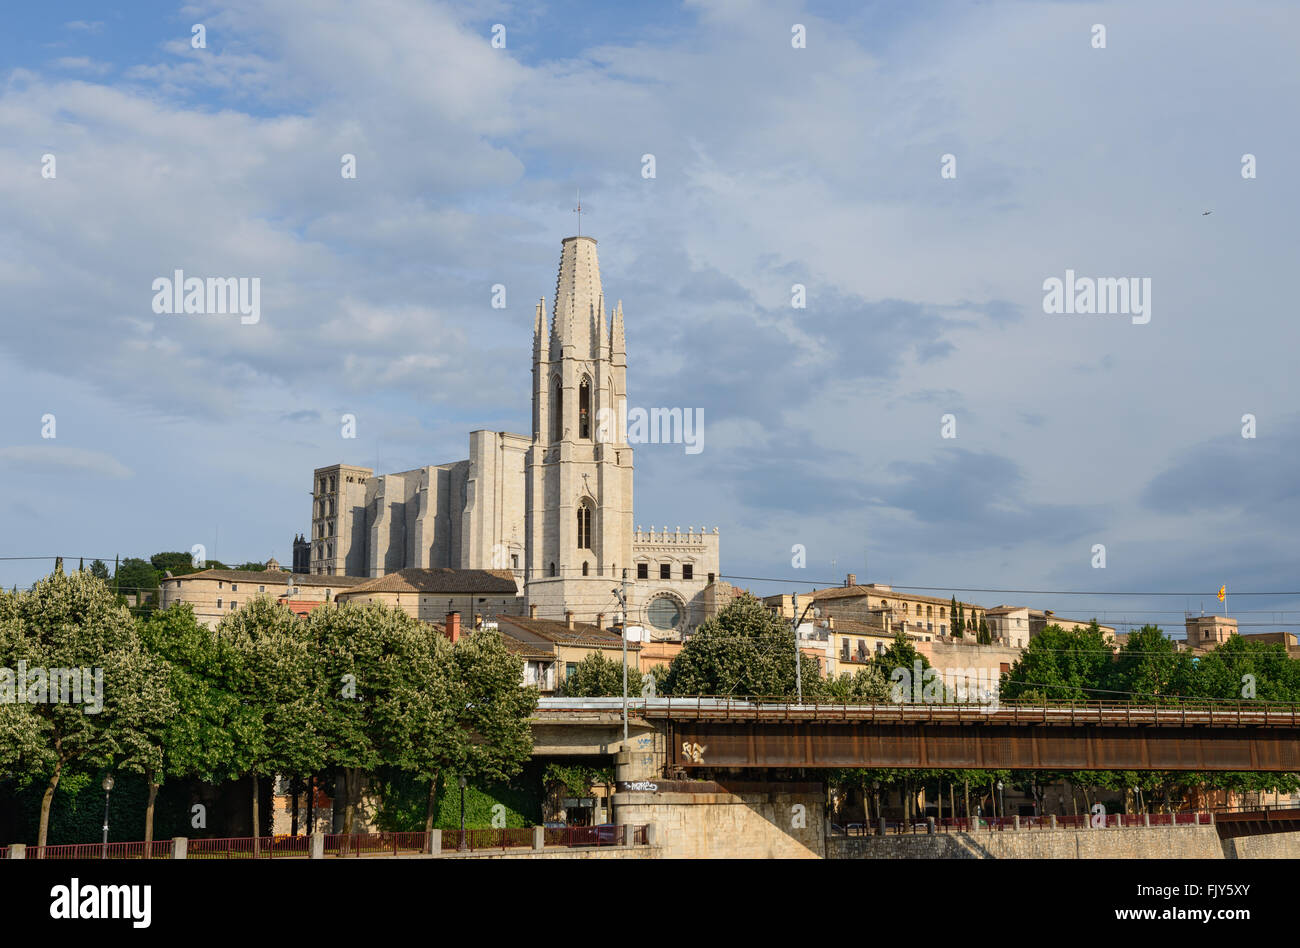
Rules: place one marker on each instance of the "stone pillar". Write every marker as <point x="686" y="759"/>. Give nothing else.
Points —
<point x="1146" y="819"/>
<point x="929" y="825"/>
<point x="652" y="834"/>
<point x="316" y="847"/>
<point x="539" y="838"/>
<point x="17" y="851"/>
<point x="1196" y="818"/>
<point x="1211" y="817"/>
<point x="1119" y="820"/>
<point x="882" y="826"/>
<point x="434" y="843"/>
<point x="1015" y="822"/>
<point x="1053" y="821"/>
<point x="180" y="845"/>
<point x="629" y="834"/>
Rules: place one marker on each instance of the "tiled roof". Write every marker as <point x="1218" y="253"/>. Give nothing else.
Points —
<point x="525" y="649"/>
<point x="559" y="633"/>
<point x="444" y="580"/>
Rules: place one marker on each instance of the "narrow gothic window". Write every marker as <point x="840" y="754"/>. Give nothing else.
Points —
<point x="584" y="528"/>
<point x="558" y="412"/>
<point x="584" y="410"/>
<point x="584" y="569"/>
<point x="552" y="569"/>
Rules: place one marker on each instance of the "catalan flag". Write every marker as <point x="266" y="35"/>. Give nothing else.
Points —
<point x="1223" y="593"/>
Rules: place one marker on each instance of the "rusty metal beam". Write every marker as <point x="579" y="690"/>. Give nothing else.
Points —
<point x="1006" y="746"/>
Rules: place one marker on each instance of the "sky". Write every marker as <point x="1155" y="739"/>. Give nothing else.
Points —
<point x="774" y="165"/>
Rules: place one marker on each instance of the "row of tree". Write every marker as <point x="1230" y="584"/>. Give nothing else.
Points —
<point x="354" y="687"/>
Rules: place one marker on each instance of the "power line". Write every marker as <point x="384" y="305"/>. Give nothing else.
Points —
<point x="978" y="589"/>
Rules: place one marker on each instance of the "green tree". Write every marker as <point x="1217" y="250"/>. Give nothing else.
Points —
<point x="277" y="677"/>
<point x="72" y="622"/>
<point x="99" y="570"/>
<point x="743" y="651"/>
<point x="472" y="717"/>
<point x="375" y="664"/>
<point x="1060" y="665"/>
<point x="198" y="739"/>
<point x="1149" y="669"/>
<point x="864" y="686"/>
<point x="600" y="677"/>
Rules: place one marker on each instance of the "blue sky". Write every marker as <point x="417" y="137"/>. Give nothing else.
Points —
<point x="774" y="166"/>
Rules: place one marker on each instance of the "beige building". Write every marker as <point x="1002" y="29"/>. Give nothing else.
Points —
<point x="214" y="593"/>
<point x="1009" y="625"/>
<point x="554" y="507"/>
<point x="878" y="604"/>
<point x="432" y="594"/>
<point x="1040" y="619"/>
<point x="1206" y="633"/>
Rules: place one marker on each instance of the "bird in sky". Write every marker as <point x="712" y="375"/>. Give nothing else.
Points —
<point x="1206" y="213"/>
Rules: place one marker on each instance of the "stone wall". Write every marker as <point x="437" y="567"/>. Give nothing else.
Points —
<point x="1182" y="842"/>
<point x="747" y="825"/>
<point x="1267" y="846"/>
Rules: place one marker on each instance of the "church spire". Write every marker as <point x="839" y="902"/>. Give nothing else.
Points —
<point x="578" y="294"/>
<point x="618" y="345"/>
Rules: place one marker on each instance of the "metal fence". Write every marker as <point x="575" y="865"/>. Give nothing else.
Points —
<point x="158" y="849"/>
<point x="345" y="845"/>
<point x="1005" y="823"/>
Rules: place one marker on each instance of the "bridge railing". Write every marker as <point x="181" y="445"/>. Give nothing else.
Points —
<point x="1173" y="710"/>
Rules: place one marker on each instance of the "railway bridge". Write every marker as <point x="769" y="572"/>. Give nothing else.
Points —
<point x="671" y="738"/>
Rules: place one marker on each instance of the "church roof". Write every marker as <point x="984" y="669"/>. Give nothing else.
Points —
<point x="441" y="580"/>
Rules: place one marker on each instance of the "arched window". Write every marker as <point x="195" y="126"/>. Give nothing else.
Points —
<point x="552" y="569"/>
<point x="584" y="528"/>
<point x="584" y="569"/>
<point x="584" y="410"/>
<point x="557" y="412"/>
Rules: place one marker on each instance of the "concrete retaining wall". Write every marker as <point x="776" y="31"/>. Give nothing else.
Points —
<point x="775" y="825"/>
<point x="1183" y="842"/>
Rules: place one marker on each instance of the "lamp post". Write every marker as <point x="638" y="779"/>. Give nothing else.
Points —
<point x="1002" y="803"/>
<point x="108" y="788"/>
<point x="798" y="663"/>
<point x="463" y="843"/>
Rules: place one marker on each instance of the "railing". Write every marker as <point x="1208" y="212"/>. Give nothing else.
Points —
<point x="158" y="849"/>
<point x="344" y="845"/>
<point x="477" y="840"/>
<point x="1175" y="712"/>
<point x="920" y="825"/>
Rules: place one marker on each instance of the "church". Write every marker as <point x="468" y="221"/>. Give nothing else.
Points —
<point x="553" y="507"/>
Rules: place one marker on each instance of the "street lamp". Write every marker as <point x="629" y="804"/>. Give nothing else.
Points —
<point x="108" y="788"/>
<point x="1002" y="803"/>
<point x="463" y="844"/>
<point x="798" y="662"/>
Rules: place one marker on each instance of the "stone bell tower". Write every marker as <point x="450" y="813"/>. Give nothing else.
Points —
<point x="578" y="507"/>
